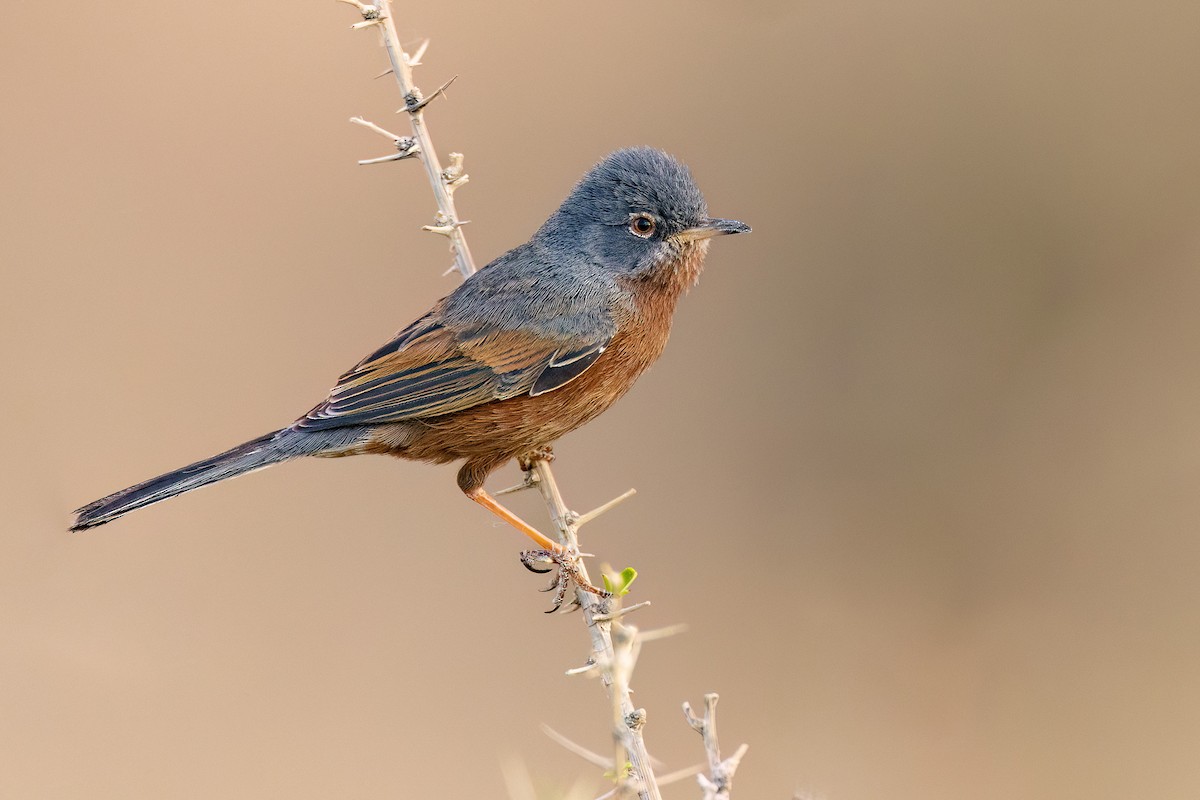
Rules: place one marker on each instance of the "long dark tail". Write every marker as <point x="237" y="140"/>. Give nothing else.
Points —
<point x="255" y="454"/>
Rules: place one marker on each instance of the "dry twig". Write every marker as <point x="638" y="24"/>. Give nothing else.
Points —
<point x="719" y="780"/>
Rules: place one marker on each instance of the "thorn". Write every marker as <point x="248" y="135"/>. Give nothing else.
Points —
<point x="453" y="268"/>
<point x="579" y="750"/>
<point x="383" y="74"/>
<point x="584" y="519"/>
<point x="584" y="670"/>
<point x="366" y="23"/>
<point x="520" y="487"/>
<point x="678" y="775"/>
<point x="383" y="159"/>
<point x="401" y="142"/>
<point x="372" y="126"/>
<point x="415" y="59"/>
<point x="406" y="147"/>
<point x="661" y="633"/>
<point x="414" y="102"/>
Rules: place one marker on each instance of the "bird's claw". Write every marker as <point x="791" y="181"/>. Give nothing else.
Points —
<point x="566" y="575"/>
<point x="531" y="560"/>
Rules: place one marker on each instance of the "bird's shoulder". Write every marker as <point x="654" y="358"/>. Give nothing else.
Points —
<point x="538" y="291"/>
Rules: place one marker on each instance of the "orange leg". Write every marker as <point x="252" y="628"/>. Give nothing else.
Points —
<point x="569" y="571"/>
<point x="487" y="501"/>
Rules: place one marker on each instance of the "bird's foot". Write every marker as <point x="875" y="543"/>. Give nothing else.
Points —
<point x="566" y="575"/>
<point x="527" y="460"/>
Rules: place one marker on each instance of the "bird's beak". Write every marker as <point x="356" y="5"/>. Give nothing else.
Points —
<point x="712" y="227"/>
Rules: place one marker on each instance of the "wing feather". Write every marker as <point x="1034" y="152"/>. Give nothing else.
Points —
<point x="428" y="370"/>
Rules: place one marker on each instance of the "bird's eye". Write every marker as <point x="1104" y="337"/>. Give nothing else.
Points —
<point x="642" y="225"/>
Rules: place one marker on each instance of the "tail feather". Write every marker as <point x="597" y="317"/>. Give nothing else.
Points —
<point x="255" y="454"/>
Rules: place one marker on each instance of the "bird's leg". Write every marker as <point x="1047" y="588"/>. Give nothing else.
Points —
<point x="487" y="501"/>
<point x="550" y="551"/>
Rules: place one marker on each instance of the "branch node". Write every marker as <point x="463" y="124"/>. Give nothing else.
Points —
<point x="406" y="146"/>
<point x="453" y="175"/>
<point x="414" y="101"/>
<point x="620" y="613"/>
<point x="371" y="14"/>
<point x="443" y="225"/>
<point x="443" y="230"/>
<point x="635" y="719"/>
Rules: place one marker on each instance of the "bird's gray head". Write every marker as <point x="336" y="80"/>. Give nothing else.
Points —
<point x="636" y="212"/>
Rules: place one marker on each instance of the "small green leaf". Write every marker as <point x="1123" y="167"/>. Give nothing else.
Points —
<point x="628" y="576"/>
<point x="620" y="586"/>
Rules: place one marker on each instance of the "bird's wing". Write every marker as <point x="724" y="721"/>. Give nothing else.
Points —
<point x="429" y="369"/>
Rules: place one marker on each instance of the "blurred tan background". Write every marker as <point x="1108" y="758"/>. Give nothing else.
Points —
<point x="919" y="468"/>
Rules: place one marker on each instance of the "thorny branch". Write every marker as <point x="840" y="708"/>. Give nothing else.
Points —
<point x="615" y="645"/>
<point x="614" y="651"/>
<point x="444" y="182"/>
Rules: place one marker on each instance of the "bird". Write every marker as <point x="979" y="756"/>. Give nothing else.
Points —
<point x="537" y="343"/>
